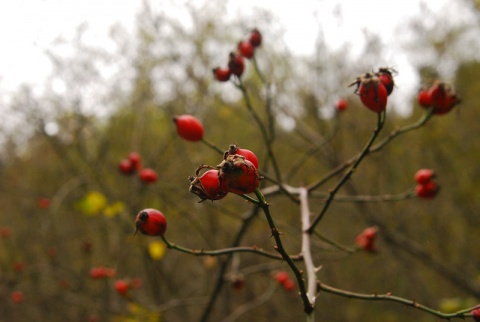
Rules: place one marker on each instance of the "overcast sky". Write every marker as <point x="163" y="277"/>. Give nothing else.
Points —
<point x="27" y="27"/>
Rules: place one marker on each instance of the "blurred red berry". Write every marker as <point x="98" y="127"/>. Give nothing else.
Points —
<point x="5" y="232"/>
<point x="385" y="75"/>
<point x="424" y="176"/>
<point x="87" y="246"/>
<point x="246" y="49"/>
<point x="282" y="277"/>
<point x="135" y="160"/>
<point x="255" y="38"/>
<point x="238" y="282"/>
<point x="289" y="285"/>
<point x="427" y="191"/>
<point x="126" y="167"/>
<point x="148" y="175"/>
<point x="189" y="127"/>
<point x="222" y="74"/>
<point x="151" y="222"/>
<point x="43" y="203"/>
<point x="102" y="272"/>
<point x="341" y="104"/>
<point x="136" y="283"/>
<point x="18" y="266"/>
<point x="424" y="98"/>
<point x="366" y="239"/>
<point x="236" y="64"/>
<point x="443" y="98"/>
<point x="476" y="314"/>
<point x="121" y="286"/>
<point x="17" y="297"/>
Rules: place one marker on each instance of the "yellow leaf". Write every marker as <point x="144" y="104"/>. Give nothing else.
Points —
<point x="156" y="249"/>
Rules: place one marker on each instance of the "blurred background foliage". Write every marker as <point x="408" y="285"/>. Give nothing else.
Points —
<point x="97" y="107"/>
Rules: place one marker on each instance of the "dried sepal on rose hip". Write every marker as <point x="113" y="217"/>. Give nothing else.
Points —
<point x="372" y="92"/>
<point x="235" y="149"/>
<point x="150" y="222"/>
<point x="385" y="75"/>
<point x="206" y="186"/>
<point x="238" y="175"/>
<point x="443" y="98"/>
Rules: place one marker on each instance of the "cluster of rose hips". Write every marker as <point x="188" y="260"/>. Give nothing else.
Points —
<point x="100" y="272"/>
<point x="133" y="164"/>
<point x="366" y="239"/>
<point x="285" y="281"/>
<point x="426" y="187"/>
<point x="440" y="95"/>
<point x="375" y="88"/>
<point x="236" y="64"/>
<point x="476" y="314"/>
<point x="237" y="173"/>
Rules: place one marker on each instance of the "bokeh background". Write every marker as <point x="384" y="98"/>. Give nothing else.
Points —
<point x="66" y="209"/>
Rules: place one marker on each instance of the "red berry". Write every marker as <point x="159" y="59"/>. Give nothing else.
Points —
<point x="238" y="282"/>
<point x="136" y="283"/>
<point x="126" y="167"/>
<point x="249" y="155"/>
<point x="206" y="186"/>
<point x="476" y="314"/>
<point x="221" y="74"/>
<point x="366" y="239"/>
<point x="443" y="97"/>
<point x="148" y="175"/>
<point x="17" y="297"/>
<point x="424" y="98"/>
<point x="427" y="191"/>
<point x="245" y="49"/>
<point x="238" y="175"/>
<point x="289" y="285"/>
<point x="424" y="176"/>
<point x="135" y="160"/>
<point x="43" y="203"/>
<point x="121" y="287"/>
<point x="189" y="127"/>
<point x="255" y="38"/>
<point x="373" y="93"/>
<point x="282" y="277"/>
<point x="5" y="232"/>
<point x="102" y="272"/>
<point x="386" y="78"/>
<point x="18" y="266"/>
<point x="151" y="222"/>
<point x="341" y="104"/>
<point x="236" y="64"/>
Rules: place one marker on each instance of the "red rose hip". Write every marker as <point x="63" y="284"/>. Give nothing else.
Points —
<point x="189" y="127"/>
<point x="207" y="186"/>
<point x="151" y="222"/>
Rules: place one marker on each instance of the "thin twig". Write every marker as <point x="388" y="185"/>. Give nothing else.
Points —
<point x="389" y="297"/>
<point x="344" y="179"/>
